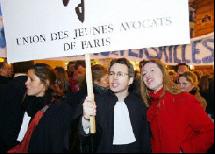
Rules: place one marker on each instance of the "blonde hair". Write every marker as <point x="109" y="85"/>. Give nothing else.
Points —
<point x="168" y="85"/>
<point x="191" y="77"/>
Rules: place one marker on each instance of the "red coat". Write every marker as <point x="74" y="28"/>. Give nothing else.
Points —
<point x="178" y="123"/>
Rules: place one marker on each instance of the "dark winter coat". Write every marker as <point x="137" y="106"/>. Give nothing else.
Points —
<point x="105" y="123"/>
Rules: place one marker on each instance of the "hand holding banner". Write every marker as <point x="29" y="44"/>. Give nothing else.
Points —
<point x="90" y="90"/>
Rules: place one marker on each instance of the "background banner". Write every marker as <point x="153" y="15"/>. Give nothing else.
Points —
<point x="199" y="52"/>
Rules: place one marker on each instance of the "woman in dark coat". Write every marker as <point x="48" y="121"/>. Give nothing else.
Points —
<point x="54" y="129"/>
<point x="49" y="130"/>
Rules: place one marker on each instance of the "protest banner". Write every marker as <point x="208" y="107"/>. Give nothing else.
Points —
<point x="199" y="52"/>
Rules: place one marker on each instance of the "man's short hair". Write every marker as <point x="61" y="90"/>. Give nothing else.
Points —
<point x="182" y="64"/>
<point x="125" y="62"/>
<point x="80" y="63"/>
<point x="22" y="67"/>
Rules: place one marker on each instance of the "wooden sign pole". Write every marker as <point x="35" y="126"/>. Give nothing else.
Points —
<point x="90" y="90"/>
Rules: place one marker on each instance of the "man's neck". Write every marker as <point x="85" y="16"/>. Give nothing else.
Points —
<point x="122" y="95"/>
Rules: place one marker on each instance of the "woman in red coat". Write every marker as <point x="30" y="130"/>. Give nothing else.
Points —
<point x="178" y="122"/>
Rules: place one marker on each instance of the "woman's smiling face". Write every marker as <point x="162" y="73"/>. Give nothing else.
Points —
<point x="152" y="76"/>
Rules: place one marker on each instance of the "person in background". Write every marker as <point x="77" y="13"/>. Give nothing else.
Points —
<point x="206" y="86"/>
<point x="80" y="72"/>
<point x="177" y="121"/>
<point x="100" y="82"/>
<point x="12" y="109"/>
<point x="78" y="76"/>
<point x="62" y="82"/>
<point x="173" y="75"/>
<point x="182" y="67"/>
<point x="5" y="72"/>
<point x="198" y="74"/>
<point x="189" y="83"/>
<point x="70" y="68"/>
<point x="120" y="116"/>
<point x="210" y="108"/>
<point x="100" y="78"/>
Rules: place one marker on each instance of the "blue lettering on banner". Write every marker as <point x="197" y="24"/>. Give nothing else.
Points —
<point x="162" y="50"/>
<point x="184" y="60"/>
<point x="202" y="48"/>
<point x="176" y="60"/>
<point x="132" y="54"/>
<point x="195" y="51"/>
<point x="159" y="55"/>
<point x="105" y="53"/>
<point x="115" y="53"/>
<point x="122" y="52"/>
<point x="208" y="59"/>
<point x="170" y="53"/>
<point x="95" y="54"/>
<point x="141" y="51"/>
<point x="148" y="56"/>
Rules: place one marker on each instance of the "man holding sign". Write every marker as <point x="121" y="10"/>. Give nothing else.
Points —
<point x="120" y="115"/>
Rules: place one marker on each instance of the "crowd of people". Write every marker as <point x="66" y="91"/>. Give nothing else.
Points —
<point x="153" y="110"/>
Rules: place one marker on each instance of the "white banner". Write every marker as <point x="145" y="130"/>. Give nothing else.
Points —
<point x="37" y="29"/>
